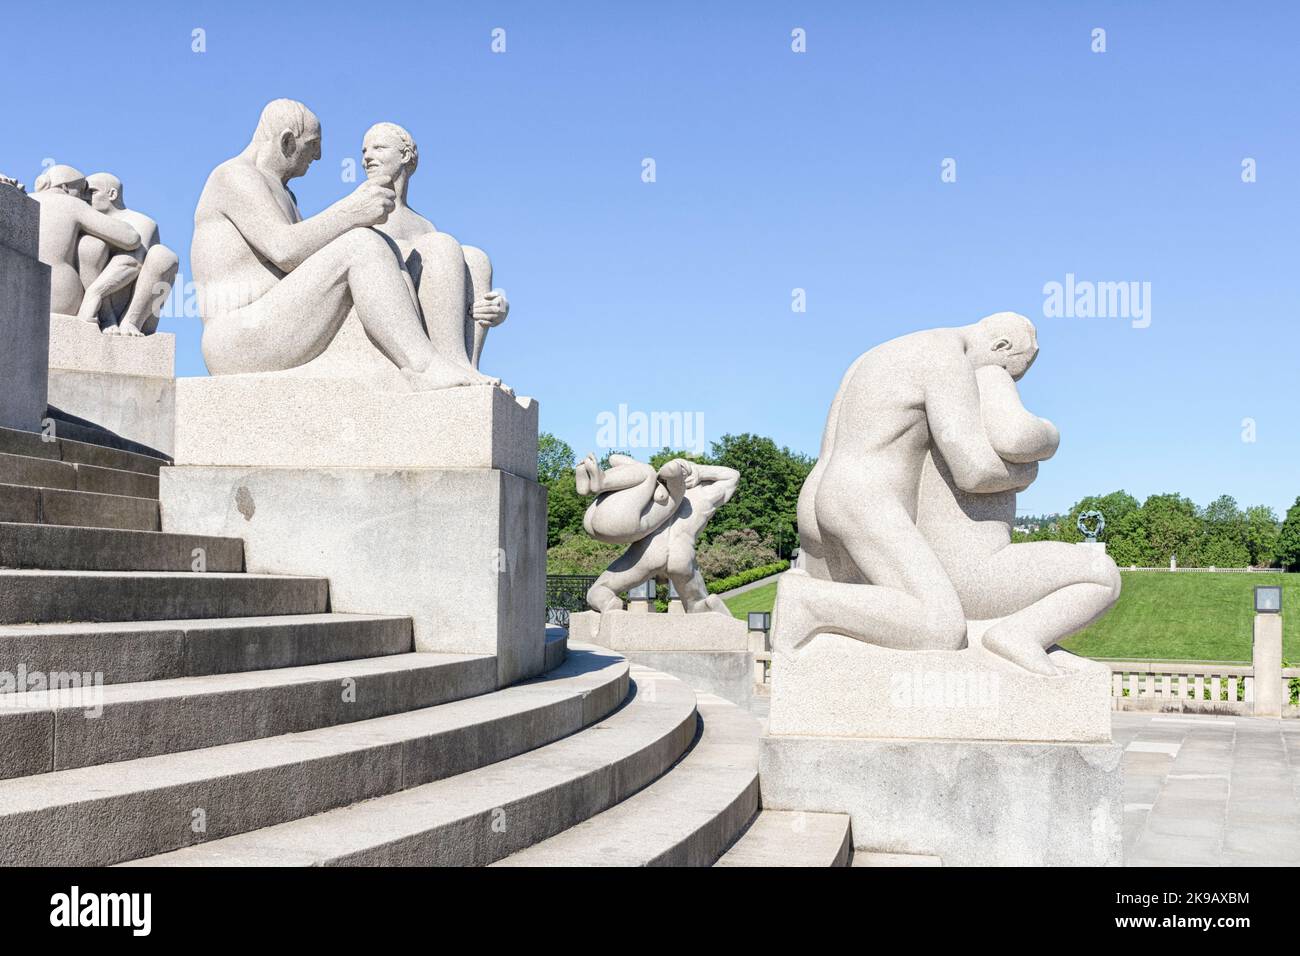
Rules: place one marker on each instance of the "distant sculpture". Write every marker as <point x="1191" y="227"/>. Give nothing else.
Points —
<point x="66" y="220"/>
<point x="660" y="514"/>
<point x="905" y="521"/>
<point x="274" y="289"/>
<point x="125" y="291"/>
<point x="10" y="181"/>
<point x="454" y="282"/>
<point x="1091" y="524"/>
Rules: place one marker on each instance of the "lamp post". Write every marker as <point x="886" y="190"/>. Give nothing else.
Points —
<point x="641" y="598"/>
<point x="1266" y="651"/>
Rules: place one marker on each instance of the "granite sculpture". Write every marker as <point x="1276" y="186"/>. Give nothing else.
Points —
<point x="905" y="522"/>
<point x="660" y="514"/>
<point x="275" y="288"/>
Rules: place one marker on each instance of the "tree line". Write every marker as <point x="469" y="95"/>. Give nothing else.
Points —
<point x="1167" y="526"/>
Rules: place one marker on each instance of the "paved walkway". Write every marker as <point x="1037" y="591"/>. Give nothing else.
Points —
<point x="1210" y="791"/>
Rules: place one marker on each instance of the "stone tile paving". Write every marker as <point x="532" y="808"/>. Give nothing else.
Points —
<point x="1210" y="791"/>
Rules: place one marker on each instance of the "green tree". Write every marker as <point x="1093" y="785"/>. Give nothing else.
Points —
<point x="770" y="479"/>
<point x="564" y="509"/>
<point x="1261" y="536"/>
<point x="1288" y="539"/>
<point x="554" y="458"/>
<point x="1223" y="542"/>
<point x="1173" y="528"/>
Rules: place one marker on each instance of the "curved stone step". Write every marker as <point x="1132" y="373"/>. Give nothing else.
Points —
<point x="67" y="548"/>
<point x="93" y="816"/>
<point x="39" y="597"/>
<point x="479" y="817"/>
<point x="85" y="509"/>
<point x="687" y="817"/>
<point x="793" y="838"/>
<point x="130" y="651"/>
<point x="102" y="724"/>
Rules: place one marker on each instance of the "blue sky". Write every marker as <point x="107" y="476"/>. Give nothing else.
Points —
<point x="776" y="170"/>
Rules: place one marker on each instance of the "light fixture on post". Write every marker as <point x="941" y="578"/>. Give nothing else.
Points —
<point x="1268" y="599"/>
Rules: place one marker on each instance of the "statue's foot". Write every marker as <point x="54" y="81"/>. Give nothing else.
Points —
<point x="792" y="624"/>
<point x="716" y="604"/>
<point x="1068" y="663"/>
<point x="1019" y="651"/>
<point x="443" y="374"/>
<point x="585" y="476"/>
<point x="125" y="328"/>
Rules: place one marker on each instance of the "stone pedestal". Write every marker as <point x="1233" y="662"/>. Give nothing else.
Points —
<point x="124" y="384"/>
<point x="421" y="504"/>
<point x="710" y="651"/>
<point x="24" y="313"/>
<point x="957" y="754"/>
<point x="1266" y="657"/>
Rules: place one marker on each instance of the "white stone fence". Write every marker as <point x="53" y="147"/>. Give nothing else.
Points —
<point x="1184" y="687"/>
<point x="1211" y="570"/>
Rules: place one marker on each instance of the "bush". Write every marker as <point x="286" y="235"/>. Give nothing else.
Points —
<point x="733" y="552"/>
<point x="579" y="554"/>
<point x="747" y="577"/>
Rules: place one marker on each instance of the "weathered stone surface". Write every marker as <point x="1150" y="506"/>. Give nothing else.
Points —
<point x="839" y="687"/>
<point x="24" y="314"/>
<point x="971" y="803"/>
<point x="728" y="674"/>
<point x="1271" y="692"/>
<point x="139" y="408"/>
<point x="707" y="651"/>
<point x="632" y="631"/>
<point x="793" y="838"/>
<point x="298" y="420"/>
<point x="80" y="346"/>
<point x="20" y="223"/>
<point x="461" y="551"/>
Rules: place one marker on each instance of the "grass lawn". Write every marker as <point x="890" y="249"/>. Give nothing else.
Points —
<point x="1180" y="616"/>
<point x="757" y="599"/>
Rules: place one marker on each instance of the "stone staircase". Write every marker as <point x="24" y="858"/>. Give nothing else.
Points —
<point x="243" y="723"/>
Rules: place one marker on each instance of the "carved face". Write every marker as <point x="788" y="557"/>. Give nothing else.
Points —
<point x="383" y="157"/>
<point x="305" y="151"/>
<point x="101" y="196"/>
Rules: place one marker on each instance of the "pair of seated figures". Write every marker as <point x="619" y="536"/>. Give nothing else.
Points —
<point x="275" y="289"/>
<point x="107" y="264"/>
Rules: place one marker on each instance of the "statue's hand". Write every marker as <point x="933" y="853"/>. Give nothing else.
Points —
<point x="370" y="203"/>
<point x="491" y="309"/>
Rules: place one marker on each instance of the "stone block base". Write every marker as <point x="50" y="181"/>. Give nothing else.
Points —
<point x="139" y="408"/>
<point x="970" y="803"/>
<point x="462" y="551"/>
<point x="125" y="385"/>
<point x="632" y="631"/>
<point x="728" y="674"/>
<point x="24" y="313"/>
<point x="836" y="686"/>
<point x="294" y="419"/>
<point x="709" y="651"/>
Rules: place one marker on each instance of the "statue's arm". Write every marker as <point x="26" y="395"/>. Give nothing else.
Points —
<point x="722" y="482"/>
<point x="116" y="232"/>
<point x="248" y="203"/>
<point x="952" y="407"/>
<point x="1015" y="433"/>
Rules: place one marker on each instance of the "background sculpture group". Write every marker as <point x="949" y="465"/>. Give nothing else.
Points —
<point x="108" y="266"/>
